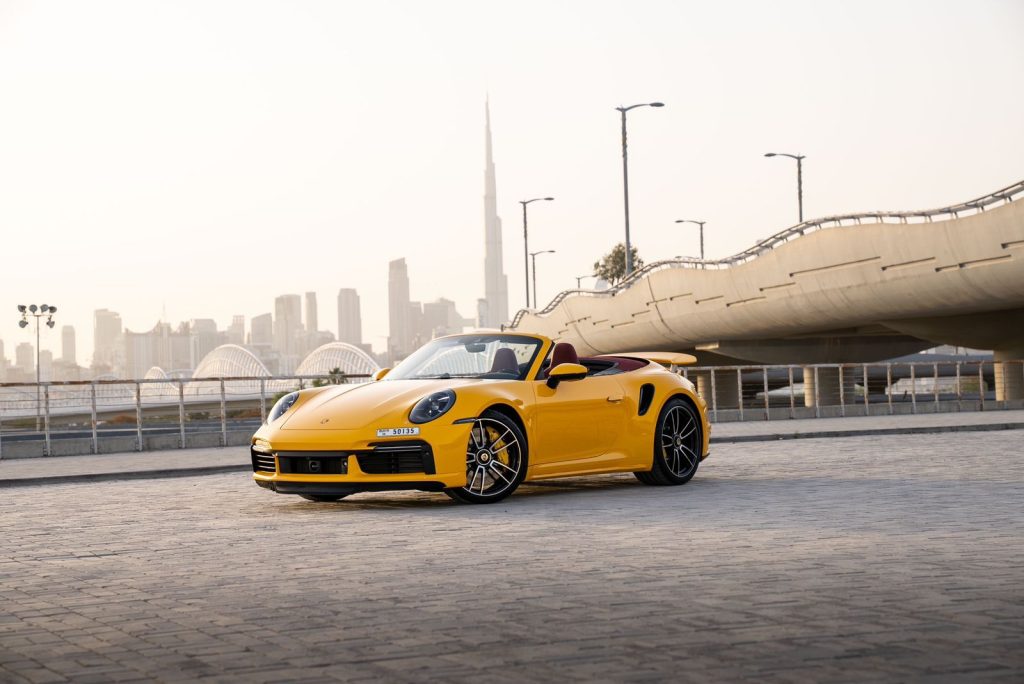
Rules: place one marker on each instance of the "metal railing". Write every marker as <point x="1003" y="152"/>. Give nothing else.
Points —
<point x="92" y="411"/>
<point x="1005" y="196"/>
<point x="777" y="392"/>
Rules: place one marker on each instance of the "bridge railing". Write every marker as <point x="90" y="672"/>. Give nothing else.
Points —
<point x="999" y="197"/>
<point x="782" y="392"/>
<point x="103" y="415"/>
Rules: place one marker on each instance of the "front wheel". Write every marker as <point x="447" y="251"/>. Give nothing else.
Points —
<point x="678" y="443"/>
<point x="496" y="460"/>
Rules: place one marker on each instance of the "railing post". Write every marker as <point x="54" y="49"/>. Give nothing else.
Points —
<point x="739" y="391"/>
<point x="138" y="414"/>
<point x="842" y="397"/>
<point x="181" y="412"/>
<point x="867" y="397"/>
<point x="714" y="398"/>
<point x="46" y="419"/>
<point x="792" y="395"/>
<point x="223" y="416"/>
<point x="263" y="400"/>
<point x="817" y="394"/>
<point x="981" y="383"/>
<point x="959" y="391"/>
<point x="913" y="388"/>
<point x="767" y="406"/>
<point x="888" y="385"/>
<point x="92" y="418"/>
<point x="935" y="386"/>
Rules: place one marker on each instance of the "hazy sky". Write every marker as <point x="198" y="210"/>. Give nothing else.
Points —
<point x="203" y="157"/>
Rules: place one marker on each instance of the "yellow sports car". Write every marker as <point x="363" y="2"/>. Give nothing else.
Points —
<point x="475" y="415"/>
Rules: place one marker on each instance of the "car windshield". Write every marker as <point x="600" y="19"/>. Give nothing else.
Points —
<point x="506" y="357"/>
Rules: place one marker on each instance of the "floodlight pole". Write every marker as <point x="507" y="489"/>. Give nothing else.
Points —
<point x="37" y="313"/>
<point x="625" y="178"/>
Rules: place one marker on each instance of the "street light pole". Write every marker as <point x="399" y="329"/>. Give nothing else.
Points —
<point x="580" y="278"/>
<point x="625" y="177"/>
<point x="799" y="177"/>
<point x="701" y="224"/>
<point x="533" y="256"/>
<point x="37" y="312"/>
<point x="526" y="245"/>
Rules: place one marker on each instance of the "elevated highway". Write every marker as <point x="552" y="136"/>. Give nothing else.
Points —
<point x="840" y="289"/>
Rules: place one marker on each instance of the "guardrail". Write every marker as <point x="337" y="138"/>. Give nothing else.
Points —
<point x="777" y="392"/>
<point x="1005" y="196"/>
<point x="90" y="411"/>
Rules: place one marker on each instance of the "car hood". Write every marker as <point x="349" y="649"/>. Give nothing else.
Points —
<point x="350" y="407"/>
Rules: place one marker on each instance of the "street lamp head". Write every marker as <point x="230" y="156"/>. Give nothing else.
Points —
<point x="657" y="104"/>
<point x="53" y="309"/>
<point x="22" y="323"/>
<point x="44" y="308"/>
<point x="33" y="308"/>
<point x="22" y="308"/>
<point x="49" y="323"/>
<point x="548" y="199"/>
<point x="769" y="154"/>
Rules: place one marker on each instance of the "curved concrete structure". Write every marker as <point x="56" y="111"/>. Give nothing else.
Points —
<point x="841" y="289"/>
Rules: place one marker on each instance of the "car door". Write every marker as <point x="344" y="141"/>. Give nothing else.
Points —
<point x="579" y="424"/>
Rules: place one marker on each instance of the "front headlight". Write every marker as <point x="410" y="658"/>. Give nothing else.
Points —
<point x="434" y="406"/>
<point x="282" y="406"/>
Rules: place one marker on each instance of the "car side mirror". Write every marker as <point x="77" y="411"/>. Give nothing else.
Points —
<point x="379" y="375"/>
<point x="566" y="371"/>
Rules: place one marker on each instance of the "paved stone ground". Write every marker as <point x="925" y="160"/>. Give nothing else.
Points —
<point x="895" y="558"/>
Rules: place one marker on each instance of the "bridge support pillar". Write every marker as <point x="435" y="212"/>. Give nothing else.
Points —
<point x="1009" y="376"/>
<point x="827" y="393"/>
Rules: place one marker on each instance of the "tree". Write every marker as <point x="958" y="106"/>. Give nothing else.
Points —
<point x="612" y="266"/>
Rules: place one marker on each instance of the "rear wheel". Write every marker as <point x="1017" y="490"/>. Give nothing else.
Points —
<point x="323" y="498"/>
<point x="678" y="443"/>
<point x="496" y="460"/>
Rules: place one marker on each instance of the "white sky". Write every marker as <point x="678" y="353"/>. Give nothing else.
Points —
<point x="207" y="156"/>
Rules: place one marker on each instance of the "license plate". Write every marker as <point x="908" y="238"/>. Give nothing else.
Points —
<point x="398" y="432"/>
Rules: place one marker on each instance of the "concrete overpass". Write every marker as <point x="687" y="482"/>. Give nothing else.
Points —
<point x="840" y="289"/>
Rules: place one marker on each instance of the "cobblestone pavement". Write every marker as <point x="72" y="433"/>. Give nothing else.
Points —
<point x="896" y="558"/>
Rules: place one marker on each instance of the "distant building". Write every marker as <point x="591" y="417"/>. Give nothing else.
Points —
<point x="440" y="318"/>
<point x="25" y="359"/>
<point x="492" y="310"/>
<point x="236" y="331"/>
<point x="67" y="340"/>
<point x="400" y="330"/>
<point x="203" y="339"/>
<point x="261" y="330"/>
<point x="288" y="330"/>
<point x="161" y="346"/>
<point x="107" y="330"/>
<point x="350" y="324"/>
<point x="311" y="317"/>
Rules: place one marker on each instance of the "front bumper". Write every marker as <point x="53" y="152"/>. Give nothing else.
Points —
<point x="330" y="462"/>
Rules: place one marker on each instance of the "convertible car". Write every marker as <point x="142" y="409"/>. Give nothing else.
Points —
<point x="475" y="415"/>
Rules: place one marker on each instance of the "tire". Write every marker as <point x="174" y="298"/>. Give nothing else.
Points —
<point x="496" y="460"/>
<point x="678" y="444"/>
<point x="323" y="498"/>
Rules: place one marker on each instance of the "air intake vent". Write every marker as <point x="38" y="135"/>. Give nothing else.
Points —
<point x="646" y="397"/>
<point x="263" y="463"/>
<point x="395" y="458"/>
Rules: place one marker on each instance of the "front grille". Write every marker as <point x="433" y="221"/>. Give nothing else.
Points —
<point x="398" y="458"/>
<point x="263" y="463"/>
<point x="313" y="463"/>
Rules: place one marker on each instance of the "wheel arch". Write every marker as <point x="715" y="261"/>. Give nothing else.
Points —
<point x="513" y="415"/>
<point x="705" y="426"/>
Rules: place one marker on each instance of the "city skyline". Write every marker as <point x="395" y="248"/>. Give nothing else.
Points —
<point x="358" y="173"/>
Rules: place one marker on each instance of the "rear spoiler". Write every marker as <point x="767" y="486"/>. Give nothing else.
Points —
<point x="664" y="358"/>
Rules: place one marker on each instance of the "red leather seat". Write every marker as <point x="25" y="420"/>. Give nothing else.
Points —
<point x="505" y="362"/>
<point x="563" y="353"/>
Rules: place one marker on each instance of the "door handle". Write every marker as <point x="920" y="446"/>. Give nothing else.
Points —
<point x="615" y="398"/>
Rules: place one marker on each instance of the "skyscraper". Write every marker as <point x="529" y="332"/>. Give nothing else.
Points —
<point x="493" y="308"/>
<point x="25" y="358"/>
<point x="350" y="323"/>
<point x="288" y="330"/>
<point x="106" y="327"/>
<point x="236" y="331"/>
<point x="311" y="322"/>
<point x="261" y="330"/>
<point x="399" y="325"/>
<point x="67" y="339"/>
